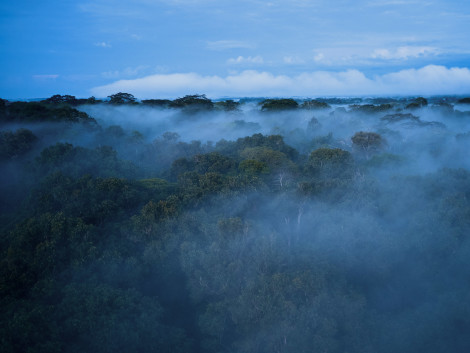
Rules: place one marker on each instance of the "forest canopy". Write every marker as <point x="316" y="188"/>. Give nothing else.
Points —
<point x="238" y="225"/>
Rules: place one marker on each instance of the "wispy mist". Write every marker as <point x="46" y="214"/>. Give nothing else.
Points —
<point x="279" y="225"/>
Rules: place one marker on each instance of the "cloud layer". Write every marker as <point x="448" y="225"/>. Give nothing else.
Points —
<point x="403" y="53"/>
<point x="429" y="80"/>
<point x="246" y="60"/>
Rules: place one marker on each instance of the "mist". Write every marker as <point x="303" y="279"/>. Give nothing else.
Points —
<point x="426" y="137"/>
<point x="249" y="225"/>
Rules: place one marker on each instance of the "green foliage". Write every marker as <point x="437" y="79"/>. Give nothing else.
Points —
<point x="322" y="141"/>
<point x="90" y="100"/>
<point x="115" y="131"/>
<point x="57" y="154"/>
<point x="122" y="98"/>
<point x="253" y="167"/>
<point x="157" y="186"/>
<point x="257" y="300"/>
<point x="181" y="166"/>
<point x="398" y="117"/>
<point x="41" y="112"/>
<point x="164" y="103"/>
<point x="418" y="103"/>
<point x="279" y="104"/>
<point x="228" y="105"/>
<point x="102" y="319"/>
<point x="370" y="108"/>
<point x="90" y="317"/>
<point x="241" y="246"/>
<point x="213" y="162"/>
<point x="78" y="161"/>
<point x="154" y="213"/>
<point x="314" y="105"/>
<point x="44" y="246"/>
<point x="94" y="200"/>
<point x="367" y="143"/>
<point x="194" y="102"/>
<point x="58" y="99"/>
<point x="465" y="100"/>
<point x="15" y="144"/>
<point x="274" y="160"/>
<point x="313" y="124"/>
<point x="68" y="100"/>
<point x="330" y="163"/>
<point x="273" y="142"/>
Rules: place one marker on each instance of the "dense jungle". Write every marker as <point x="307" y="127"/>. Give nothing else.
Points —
<point x="247" y="225"/>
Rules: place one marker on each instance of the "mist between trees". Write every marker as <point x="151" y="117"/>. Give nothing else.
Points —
<point x="240" y="225"/>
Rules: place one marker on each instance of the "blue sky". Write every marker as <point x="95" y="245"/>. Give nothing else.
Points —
<point x="169" y="48"/>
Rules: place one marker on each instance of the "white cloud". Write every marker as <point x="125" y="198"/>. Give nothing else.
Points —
<point x="248" y="60"/>
<point x="431" y="79"/>
<point x="126" y="73"/>
<point x="319" y="57"/>
<point x="45" y="77"/>
<point x="399" y="2"/>
<point x="293" y="60"/>
<point x="404" y="53"/>
<point x="102" y="44"/>
<point x="229" y="44"/>
<point x="428" y="80"/>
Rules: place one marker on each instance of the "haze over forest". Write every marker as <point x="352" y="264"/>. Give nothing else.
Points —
<point x="217" y="176"/>
<point x="258" y="225"/>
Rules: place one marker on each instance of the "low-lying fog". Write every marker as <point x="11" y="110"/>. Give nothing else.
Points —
<point x="202" y="230"/>
<point x="429" y="137"/>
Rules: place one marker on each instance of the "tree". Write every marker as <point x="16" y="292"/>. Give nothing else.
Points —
<point x="157" y="102"/>
<point x="39" y="112"/>
<point x="370" y="108"/>
<point x="279" y="104"/>
<point x="78" y="161"/>
<point x="16" y="144"/>
<point x="58" y="99"/>
<point x="193" y="102"/>
<point x="417" y="103"/>
<point x="169" y="136"/>
<point x="213" y="162"/>
<point x="43" y="246"/>
<point x="274" y="160"/>
<point x="330" y="163"/>
<point x="367" y="142"/>
<point x="122" y="98"/>
<point x="314" y="105"/>
<point x="3" y="103"/>
<point x="228" y="105"/>
<point x="464" y="100"/>
<point x="92" y="100"/>
<point x="313" y="124"/>
<point x="253" y="167"/>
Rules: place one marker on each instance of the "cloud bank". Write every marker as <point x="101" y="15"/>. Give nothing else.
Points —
<point x="429" y="80"/>
<point x="404" y="53"/>
<point x="246" y="60"/>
